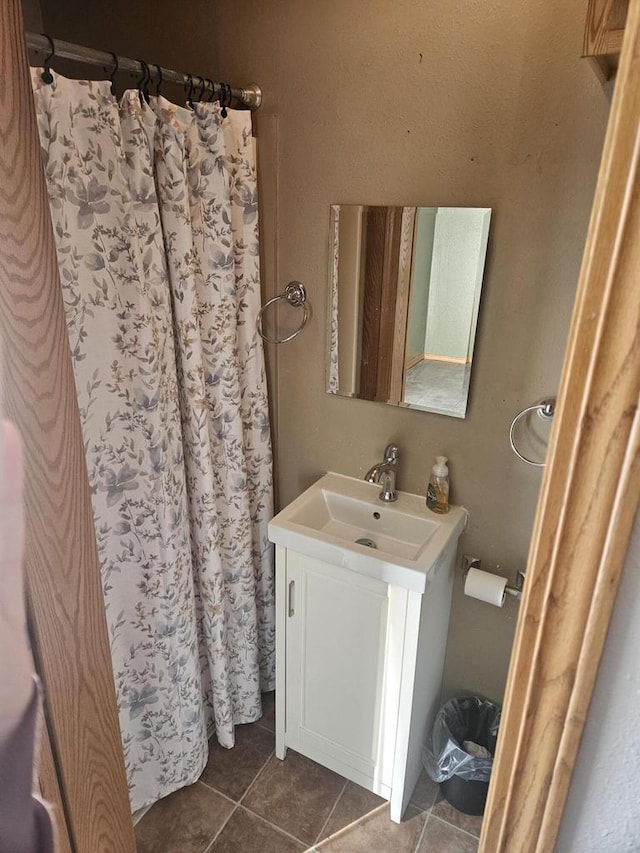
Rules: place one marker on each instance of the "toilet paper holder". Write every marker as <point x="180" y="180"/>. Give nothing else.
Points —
<point x="469" y="562"/>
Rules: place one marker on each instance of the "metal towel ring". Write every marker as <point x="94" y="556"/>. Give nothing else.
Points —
<point x="295" y="294"/>
<point x="545" y="410"/>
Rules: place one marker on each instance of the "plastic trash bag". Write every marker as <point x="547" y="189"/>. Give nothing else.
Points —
<point x="468" y="718"/>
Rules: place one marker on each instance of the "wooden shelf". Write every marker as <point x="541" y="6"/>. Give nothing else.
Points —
<point x="604" y="30"/>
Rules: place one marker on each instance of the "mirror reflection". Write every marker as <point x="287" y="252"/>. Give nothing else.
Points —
<point x="404" y="294"/>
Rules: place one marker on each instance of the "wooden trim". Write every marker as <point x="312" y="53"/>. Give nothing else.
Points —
<point x="425" y="356"/>
<point x="381" y="230"/>
<point x="604" y="27"/>
<point x="407" y="223"/>
<point x="388" y="294"/>
<point x="64" y="587"/>
<point x="452" y="359"/>
<point x="413" y="361"/>
<point x="613" y="41"/>
<point x="587" y="505"/>
<point x="373" y="226"/>
<point x="603" y="35"/>
<point x="50" y="789"/>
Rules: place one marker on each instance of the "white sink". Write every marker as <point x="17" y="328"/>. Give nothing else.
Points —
<point x="327" y="519"/>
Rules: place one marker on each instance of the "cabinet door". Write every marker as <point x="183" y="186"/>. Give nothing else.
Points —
<point x="337" y="684"/>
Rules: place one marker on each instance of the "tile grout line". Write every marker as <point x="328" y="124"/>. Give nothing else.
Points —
<point x="330" y="815"/>
<point x="274" y="826"/>
<point x="256" y="777"/>
<point x="224" y="823"/>
<point x="459" y="828"/>
<point x="425" y="808"/>
<point x="216" y="791"/>
<point x="249" y="787"/>
<point x="236" y="804"/>
<point x="422" y="832"/>
<point x="312" y="849"/>
<point x="260" y="817"/>
<point x="240" y="803"/>
<point x="339" y="833"/>
<point x="448" y="822"/>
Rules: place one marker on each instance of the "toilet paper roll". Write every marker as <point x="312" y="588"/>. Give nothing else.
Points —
<point x="485" y="587"/>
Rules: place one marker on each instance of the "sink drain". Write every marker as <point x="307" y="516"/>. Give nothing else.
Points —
<point x="368" y="543"/>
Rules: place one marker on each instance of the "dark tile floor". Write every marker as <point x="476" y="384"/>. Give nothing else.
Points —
<point x="247" y="801"/>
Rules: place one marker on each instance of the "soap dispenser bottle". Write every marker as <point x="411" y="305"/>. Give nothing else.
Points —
<point x="438" y="488"/>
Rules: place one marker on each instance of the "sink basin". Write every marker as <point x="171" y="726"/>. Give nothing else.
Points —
<point x="401" y="541"/>
<point x="345" y="516"/>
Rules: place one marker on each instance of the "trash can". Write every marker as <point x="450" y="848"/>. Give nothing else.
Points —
<point x="460" y="753"/>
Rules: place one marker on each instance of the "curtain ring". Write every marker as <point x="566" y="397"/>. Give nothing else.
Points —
<point x="47" y="76"/>
<point x="202" y="87"/>
<point x="114" y="71"/>
<point x="212" y="94"/>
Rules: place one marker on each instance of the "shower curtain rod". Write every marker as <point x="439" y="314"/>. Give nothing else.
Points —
<point x="250" y="96"/>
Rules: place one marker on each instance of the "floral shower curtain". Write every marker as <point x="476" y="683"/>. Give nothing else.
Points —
<point x="155" y="215"/>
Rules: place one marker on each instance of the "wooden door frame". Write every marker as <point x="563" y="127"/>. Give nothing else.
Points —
<point x="388" y="294"/>
<point x="83" y="764"/>
<point x="402" y="301"/>
<point x="587" y="504"/>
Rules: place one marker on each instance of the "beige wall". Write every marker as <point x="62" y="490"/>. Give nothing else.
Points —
<point x="400" y="102"/>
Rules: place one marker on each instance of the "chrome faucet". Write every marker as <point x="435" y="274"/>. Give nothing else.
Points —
<point x="384" y="473"/>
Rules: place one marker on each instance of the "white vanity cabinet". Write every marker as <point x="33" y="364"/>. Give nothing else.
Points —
<point x="361" y="632"/>
<point x="359" y="669"/>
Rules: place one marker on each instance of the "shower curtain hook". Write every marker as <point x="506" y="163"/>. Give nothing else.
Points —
<point x="147" y="81"/>
<point x="224" y="98"/>
<point x="160" y="81"/>
<point x="114" y="71"/>
<point x="143" y="82"/>
<point x="47" y="76"/>
<point x="203" y="86"/>
<point x="212" y="94"/>
<point x="189" y="90"/>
